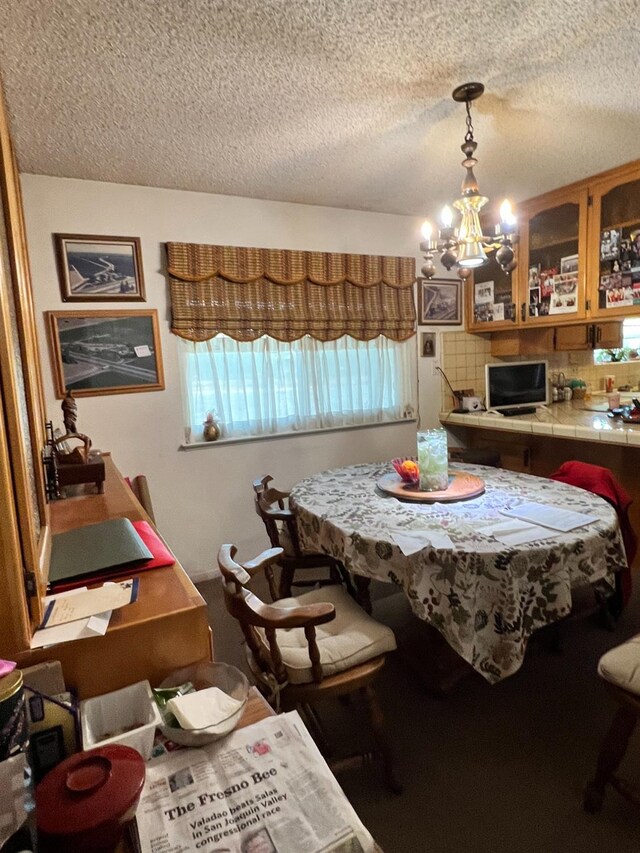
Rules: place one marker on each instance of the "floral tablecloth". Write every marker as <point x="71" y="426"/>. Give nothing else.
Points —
<point x="486" y="599"/>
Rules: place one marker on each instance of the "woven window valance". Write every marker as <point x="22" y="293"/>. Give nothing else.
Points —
<point x="246" y="293"/>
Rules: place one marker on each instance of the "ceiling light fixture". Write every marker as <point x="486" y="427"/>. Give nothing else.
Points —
<point x="465" y="245"/>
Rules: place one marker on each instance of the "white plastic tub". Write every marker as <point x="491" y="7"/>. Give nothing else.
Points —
<point x="128" y="716"/>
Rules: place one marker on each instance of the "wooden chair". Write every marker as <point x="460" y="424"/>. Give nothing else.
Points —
<point x="272" y="507"/>
<point x="316" y="646"/>
<point x="140" y="489"/>
<point x="620" y="671"/>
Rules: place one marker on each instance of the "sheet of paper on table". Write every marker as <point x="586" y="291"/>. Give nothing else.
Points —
<point x="555" y="517"/>
<point x="516" y="532"/>
<point x="411" y="541"/>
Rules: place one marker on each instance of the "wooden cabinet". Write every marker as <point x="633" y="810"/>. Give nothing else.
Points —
<point x="167" y="627"/>
<point x="614" y="243"/>
<point x="24" y="513"/>
<point x="491" y="298"/>
<point x="534" y="342"/>
<point x="551" y="272"/>
<point x="584" y="336"/>
<point x="578" y="257"/>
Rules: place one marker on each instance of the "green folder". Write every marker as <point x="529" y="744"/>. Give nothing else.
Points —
<point x="85" y="550"/>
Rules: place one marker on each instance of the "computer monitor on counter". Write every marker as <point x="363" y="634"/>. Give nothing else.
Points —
<point x="516" y="388"/>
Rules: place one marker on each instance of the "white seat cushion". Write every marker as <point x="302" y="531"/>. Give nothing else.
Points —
<point x="352" y="638"/>
<point x="621" y="666"/>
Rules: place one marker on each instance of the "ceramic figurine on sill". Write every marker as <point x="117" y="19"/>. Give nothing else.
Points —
<point x="211" y="431"/>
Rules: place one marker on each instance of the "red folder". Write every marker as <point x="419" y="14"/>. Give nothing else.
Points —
<point x="162" y="556"/>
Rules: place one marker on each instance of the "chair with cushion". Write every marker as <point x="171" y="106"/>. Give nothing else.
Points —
<point x="620" y="671"/>
<point x="600" y="481"/>
<point x="272" y="507"/>
<point x="315" y="646"/>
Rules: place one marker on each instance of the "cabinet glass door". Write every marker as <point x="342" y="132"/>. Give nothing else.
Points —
<point x="614" y="271"/>
<point x="553" y="261"/>
<point x="491" y="302"/>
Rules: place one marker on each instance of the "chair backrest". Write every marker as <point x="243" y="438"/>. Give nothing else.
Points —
<point x="140" y="489"/>
<point x="272" y="506"/>
<point x="252" y="613"/>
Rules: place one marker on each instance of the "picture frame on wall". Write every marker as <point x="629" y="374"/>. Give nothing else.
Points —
<point x="439" y="302"/>
<point x="93" y="268"/>
<point x="428" y="344"/>
<point x="105" y="352"/>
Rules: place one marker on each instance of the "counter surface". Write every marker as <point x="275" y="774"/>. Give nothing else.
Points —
<point x="582" y="419"/>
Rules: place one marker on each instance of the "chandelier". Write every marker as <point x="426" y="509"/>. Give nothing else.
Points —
<point x="466" y="246"/>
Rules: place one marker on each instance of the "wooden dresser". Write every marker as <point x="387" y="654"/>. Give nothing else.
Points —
<point x="165" y="629"/>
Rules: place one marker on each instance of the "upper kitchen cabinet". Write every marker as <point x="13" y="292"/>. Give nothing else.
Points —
<point x="552" y="257"/>
<point x="491" y="299"/>
<point x="614" y="243"/>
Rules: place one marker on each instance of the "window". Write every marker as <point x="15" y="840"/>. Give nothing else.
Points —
<point x="266" y="387"/>
<point x="630" y="349"/>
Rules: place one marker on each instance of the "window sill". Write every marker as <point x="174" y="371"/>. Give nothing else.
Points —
<point x="283" y="435"/>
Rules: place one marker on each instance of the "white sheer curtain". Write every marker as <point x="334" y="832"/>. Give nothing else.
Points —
<point x="265" y="387"/>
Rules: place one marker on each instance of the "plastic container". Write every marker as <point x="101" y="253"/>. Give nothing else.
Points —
<point x="227" y="678"/>
<point x="84" y="803"/>
<point x="13" y="715"/>
<point x="128" y="716"/>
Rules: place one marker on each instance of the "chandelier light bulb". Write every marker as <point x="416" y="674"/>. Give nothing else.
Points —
<point x="506" y="213"/>
<point x="446" y="217"/>
<point x="427" y="230"/>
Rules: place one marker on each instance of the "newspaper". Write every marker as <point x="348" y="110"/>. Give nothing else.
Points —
<point x="263" y="789"/>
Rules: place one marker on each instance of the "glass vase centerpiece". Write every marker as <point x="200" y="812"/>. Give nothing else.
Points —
<point x="433" y="460"/>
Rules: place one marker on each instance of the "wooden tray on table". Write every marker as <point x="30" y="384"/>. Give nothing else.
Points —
<point x="461" y="487"/>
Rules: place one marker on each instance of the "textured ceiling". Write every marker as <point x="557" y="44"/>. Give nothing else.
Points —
<point x="334" y="102"/>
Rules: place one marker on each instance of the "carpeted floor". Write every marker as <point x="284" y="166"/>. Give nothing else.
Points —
<point x="488" y="768"/>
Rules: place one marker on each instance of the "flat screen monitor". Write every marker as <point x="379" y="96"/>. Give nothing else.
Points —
<point x="517" y="385"/>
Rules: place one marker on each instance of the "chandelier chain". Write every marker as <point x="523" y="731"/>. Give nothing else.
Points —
<point x="468" y="137"/>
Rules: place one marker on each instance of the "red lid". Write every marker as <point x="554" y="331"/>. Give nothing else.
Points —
<point x="89" y="788"/>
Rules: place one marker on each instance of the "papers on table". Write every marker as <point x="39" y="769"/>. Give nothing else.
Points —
<point x="555" y="517"/>
<point x="516" y="532"/>
<point x="412" y="541"/>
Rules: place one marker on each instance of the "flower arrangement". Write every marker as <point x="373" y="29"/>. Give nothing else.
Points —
<point x="407" y="468"/>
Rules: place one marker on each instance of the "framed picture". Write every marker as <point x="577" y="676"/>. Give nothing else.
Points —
<point x="105" y="352"/>
<point x="428" y="344"/>
<point x="99" y="269"/>
<point x="439" y="302"/>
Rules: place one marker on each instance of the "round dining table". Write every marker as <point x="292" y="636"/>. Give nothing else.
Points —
<point x="485" y="597"/>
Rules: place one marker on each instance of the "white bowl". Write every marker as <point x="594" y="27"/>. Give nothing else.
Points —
<point x="225" y="677"/>
<point x="131" y="713"/>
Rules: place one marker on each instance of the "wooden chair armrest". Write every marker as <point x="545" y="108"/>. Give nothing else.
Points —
<point x="242" y="573"/>
<point x="302" y="616"/>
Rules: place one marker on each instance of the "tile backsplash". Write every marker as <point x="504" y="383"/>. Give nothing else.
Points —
<point x="464" y="357"/>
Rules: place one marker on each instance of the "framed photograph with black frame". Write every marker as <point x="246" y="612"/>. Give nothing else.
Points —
<point x="439" y="302"/>
<point x="99" y="269"/>
<point x="105" y="352"/>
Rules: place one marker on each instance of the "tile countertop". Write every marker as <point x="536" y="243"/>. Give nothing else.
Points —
<point x="585" y="420"/>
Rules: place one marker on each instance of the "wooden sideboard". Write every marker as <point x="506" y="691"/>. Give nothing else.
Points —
<point x="165" y="629"/>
